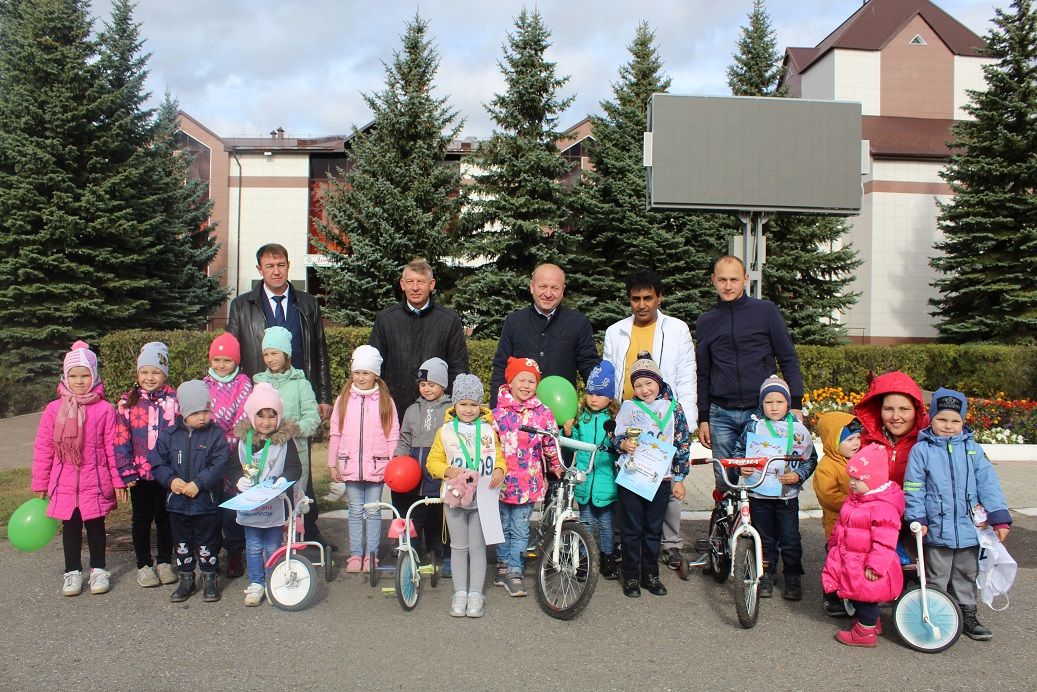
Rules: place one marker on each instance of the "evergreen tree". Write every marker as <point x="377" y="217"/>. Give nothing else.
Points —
<point x="807" y="272"/>
<point x="989" y="250"/>
<point x="517" y="206"/>
<point x="616" y="234"/>
<point x="398" y="200"/>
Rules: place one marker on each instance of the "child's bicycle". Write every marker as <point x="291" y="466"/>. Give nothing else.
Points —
<point x="408" y="566"/>
<point x="292" y="581"/>
<point x="566" y="552"/>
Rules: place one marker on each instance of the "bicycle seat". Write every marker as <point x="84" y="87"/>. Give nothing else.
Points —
<point x="396" y="527"/>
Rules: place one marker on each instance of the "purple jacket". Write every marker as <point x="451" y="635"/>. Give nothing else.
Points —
<point x="228" y="403"/>
<point x="137" y="428"/>
<point x="90" y="486"/>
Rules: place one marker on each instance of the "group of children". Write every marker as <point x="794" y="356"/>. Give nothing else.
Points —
<point x="179" y="453"/>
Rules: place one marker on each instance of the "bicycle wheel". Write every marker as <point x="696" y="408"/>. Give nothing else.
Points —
<point x="408" y="581"/>
<point x="564" y="588"/>
<point x="436" y="567"/>
<point x="719" y="544"/>
<point x="747" y="584"/>
<point x="944" y="614"/>
<point x="292" y="584"/>
<point x="372" y="568"/>
<point x="329" y="565"/>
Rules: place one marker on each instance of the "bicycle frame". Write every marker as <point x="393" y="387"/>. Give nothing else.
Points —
<point x="406" y="526"/>
<point x="916" y="529"/>
<point x="292" y="545"/>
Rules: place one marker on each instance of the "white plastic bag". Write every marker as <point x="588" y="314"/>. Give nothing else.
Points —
<point x="996" y="569"/>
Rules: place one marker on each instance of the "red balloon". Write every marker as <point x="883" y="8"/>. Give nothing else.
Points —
<point x="403" y="474"/>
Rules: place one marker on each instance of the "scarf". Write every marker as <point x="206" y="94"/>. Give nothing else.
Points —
<point x="68" y="428"/>
<point x="221" y="378"/>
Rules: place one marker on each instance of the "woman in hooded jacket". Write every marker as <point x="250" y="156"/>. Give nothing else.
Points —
<point x="892" y="414"/>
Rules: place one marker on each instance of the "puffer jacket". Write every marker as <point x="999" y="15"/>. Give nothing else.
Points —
<point x="831" y="482"/>
<point x="600" y="487"/>
<point x="676" y="432"/>
<point x="228" y="402"/>
<point x="137" y="428"/>
<point x="524" y="453"/>
<point x="89" y="486"/>
<point x="360" y="450"/>
<point x="446" y="447"/>
<point x="946" y="477"/>
<point x="282" y="462"/>
<point x="869" y="411"/>
<point x="299" y="405"/>
<point x="421" y="423"/>
<point x="192" y="455"/>
<point x="866" y="536"/>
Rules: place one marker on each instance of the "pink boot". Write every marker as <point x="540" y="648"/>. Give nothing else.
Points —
<point x="858" y="635"/>
<point x="878" y="626"/>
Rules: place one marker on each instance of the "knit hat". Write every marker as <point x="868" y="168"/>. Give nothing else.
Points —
<point x="602" y="380"/>
<point x="155" y="354"/>
<point x="279" y="338"/>
<point x="644" y="366"/>
<point x="948" y="400"/>
<point x="226" y="345"/>
<point x="775" y="384"/>
<point x="366" y="358"/>
<point x="81" y="357"/>
<point x="193" y="396"/>
<point x="517" y="365"/>
<point x="434" y="370"/>
<point x="467" y="387"/>
<point x="870" y="464"/>
<point x="263" y="396"/>
<point x="854" y="427"/>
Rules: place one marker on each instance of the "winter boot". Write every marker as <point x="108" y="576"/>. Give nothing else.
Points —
<point x="793" y="588"/>
<point x="609" y="569"/>
<point x="858" y="635"/>
<point x="970" y="626"/>
<point x="235" y="566"/>
<point x="210" y="589"/>
<point x="185" y="589"/>
<point x="766" y="585"/>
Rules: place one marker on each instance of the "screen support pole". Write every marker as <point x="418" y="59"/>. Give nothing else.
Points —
<point x="753" y="248"/>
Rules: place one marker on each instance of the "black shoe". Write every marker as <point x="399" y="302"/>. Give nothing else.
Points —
<point x="971" y="628"/>
<point x="673" y="560"/>
<point x="793" y="588"/>
<point x="235" y="566"/>
<point x="834" y="606"/>
<point x="185" y="589"/>
<point x="631" y="587"/>
<point x="210" y="589"/>
<point x="652" y="585"/>
<point x="609" y="569"/>
<point x="766" y="586"/>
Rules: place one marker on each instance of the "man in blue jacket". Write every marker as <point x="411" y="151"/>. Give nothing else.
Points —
<point x="741" y="342"/>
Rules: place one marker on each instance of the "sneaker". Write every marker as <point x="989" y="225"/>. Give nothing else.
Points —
<point x="766" y="586"/>
<point x="858" y="635"/>
<point x="793" y="590"/>
<point x="147" y="577"/>
<point x="515" y="585"/>
<point x="366" y="567"/>
<point x="445" y="570"/>
<point x="253" y="594"/>
<point x="355" y="564"/>
<point x="476" y="605"/>
<point x="459" y="604"/>
<point x="501" y="577"/>
<point x="73" y="583"/>
<point x="834" y="606"/>
<point x="166" y="573"/>
<point x="971" y="627"/>
<point x="673" y="558"/>
<point x="100" y="581"/>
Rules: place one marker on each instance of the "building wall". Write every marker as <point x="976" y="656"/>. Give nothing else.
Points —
<point x="917" y="80"/>
<point x="819" y="81"/>
<point x="857" y="77"/>
<point x="968" y="74"/>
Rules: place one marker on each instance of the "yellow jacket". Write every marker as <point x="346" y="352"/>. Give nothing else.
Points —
<point x="831" y="482"/>
<point x="446" y="449"/>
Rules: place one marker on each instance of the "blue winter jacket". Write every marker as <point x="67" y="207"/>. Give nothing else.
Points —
<point x="945" y="478"/>
<point x="194" y="455"/>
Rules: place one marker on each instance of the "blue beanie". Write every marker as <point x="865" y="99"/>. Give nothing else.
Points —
<point x="602" y="380"/>
<point x="279" y="338"/>
<point x="948" y="400"/>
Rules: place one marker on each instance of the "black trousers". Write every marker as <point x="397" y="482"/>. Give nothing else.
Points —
<point x="642" y="530"/>
<point x="777" y="521"/>
<point x="196" y="536"/>
<point x="72" y="541"/>
<point x="148" y="499"/>
<point x="428" y="521"/>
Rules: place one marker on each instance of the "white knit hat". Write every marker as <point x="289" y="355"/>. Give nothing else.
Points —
<point x="366" y="358"/>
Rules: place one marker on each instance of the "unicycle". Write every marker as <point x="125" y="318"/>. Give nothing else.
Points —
<point x="292" y="584"/>
<point x="925" y="617"/>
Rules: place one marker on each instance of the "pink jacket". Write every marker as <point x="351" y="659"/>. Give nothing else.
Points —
<point x="361" y="450"/>
<point x="228" y="403"/>
<point x="866" y="536"/>
<point x="525" y="454"/>
<point x="90" y="486"/>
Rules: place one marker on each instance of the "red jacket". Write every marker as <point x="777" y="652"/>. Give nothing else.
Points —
<point x="869" y="411"/>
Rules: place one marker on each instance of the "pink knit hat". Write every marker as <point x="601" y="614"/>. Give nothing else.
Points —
<point x="870" y="464"/>
<point x="81" y="357"/>
<point x="226" y="345"/>
<point x="263" y="396"/>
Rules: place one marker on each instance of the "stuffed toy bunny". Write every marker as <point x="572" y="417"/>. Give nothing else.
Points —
<point x="460" y="491"/>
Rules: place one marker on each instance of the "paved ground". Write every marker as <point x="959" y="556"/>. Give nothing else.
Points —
<point x="18" y="434"/>
<point x="354" y="636"/>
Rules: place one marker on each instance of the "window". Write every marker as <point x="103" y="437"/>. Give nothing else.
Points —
<point x="917" y="41"/>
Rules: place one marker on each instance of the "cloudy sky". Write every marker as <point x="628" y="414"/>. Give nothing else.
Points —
<point x="249" y="66"/>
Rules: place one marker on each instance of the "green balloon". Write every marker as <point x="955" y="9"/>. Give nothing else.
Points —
<point x="30" y="528"/>
<point x="559" y="395"/>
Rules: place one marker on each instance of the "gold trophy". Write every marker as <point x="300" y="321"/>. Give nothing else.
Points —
<point x="633" y="434"/>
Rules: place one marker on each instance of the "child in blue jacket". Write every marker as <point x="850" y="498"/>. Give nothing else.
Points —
<point x="951" y="488"/>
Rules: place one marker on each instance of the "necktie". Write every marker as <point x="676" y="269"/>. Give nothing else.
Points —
<point x="279" y="318"/>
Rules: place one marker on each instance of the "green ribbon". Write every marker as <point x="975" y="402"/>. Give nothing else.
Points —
<point x="661" y="422"/>
<point x="774" y="433"/>
<point x="470" y="462"/>
<point x="262" y="459"/>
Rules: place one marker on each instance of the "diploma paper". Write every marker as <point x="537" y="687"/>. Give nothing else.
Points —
<point x="642" y="472"/>
<point x="256" y="496"/>
<point x="489" y="511"/>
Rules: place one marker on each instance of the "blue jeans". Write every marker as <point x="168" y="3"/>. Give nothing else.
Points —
<point x="725" y="427"/>
<point x="358" y="493"/>
<point x="260" y="544"/>
<point x="514" y="520"/>
<point x="599" y="521"/>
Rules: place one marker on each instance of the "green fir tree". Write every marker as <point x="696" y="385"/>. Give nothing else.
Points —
<point x="988" y="258"/>
<point x="757" y="68"/>
<point x="398" y="200"/>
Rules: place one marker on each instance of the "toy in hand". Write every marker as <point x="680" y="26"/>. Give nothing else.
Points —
<point x="460" y="489"/>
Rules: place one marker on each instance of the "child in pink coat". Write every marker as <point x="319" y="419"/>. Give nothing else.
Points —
<point x="862" y="563"/>
<point x="74" y="465"/>
<point x="364" y="433"/>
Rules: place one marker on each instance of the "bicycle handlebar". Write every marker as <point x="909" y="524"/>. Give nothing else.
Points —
<point x="566" y="442"/>
<point x="719" y="463"/>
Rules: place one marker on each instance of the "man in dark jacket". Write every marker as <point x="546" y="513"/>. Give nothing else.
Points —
<point x="741" y="341"/>
<point x="560" y="340"/>
<point x="415" y="330"/>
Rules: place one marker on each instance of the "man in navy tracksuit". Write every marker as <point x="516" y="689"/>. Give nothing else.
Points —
<point x="741" y="340"/>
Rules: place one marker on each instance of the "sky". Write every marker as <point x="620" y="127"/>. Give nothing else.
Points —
<point x="246" y="67"/>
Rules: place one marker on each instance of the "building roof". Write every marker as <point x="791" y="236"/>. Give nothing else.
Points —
<point x="913" y="138"/>
<point x="873" y="25"/>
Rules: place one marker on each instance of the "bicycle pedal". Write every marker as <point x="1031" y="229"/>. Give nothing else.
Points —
<point x="701" y="545"/>
<point x="388" y="591"/>
<point x="426" y="569"/>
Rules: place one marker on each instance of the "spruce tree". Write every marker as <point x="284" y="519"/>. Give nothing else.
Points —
<point x="805" y="274"/>
<point x="616" y="234"/>
<point x="398" y="200"/>
<point x="988" y="290"/>
<point x="517" y="205"/>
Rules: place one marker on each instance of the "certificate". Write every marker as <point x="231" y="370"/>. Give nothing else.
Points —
<point x="642" y="472"/>
<point x="487" y="499"/>
<point x="769" y="447"/>
<point x="256" y="496"/>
